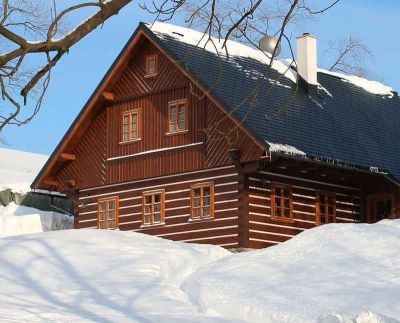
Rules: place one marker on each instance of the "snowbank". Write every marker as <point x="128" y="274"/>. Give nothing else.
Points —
<point x="16" y="220"/>
<point x="195" y="38"/>
<point x="342" y="269"/>
<point x="99" y="276"/>
<point x="18" y="169"/>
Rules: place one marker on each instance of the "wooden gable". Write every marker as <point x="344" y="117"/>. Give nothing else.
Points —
<point x="95" y="137"/>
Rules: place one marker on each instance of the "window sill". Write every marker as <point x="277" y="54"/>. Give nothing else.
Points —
<point x="181" y="132"/>
<point x="282" y="220"/>
<point x="150" y="226"/>
<point x="208" y="219"/>
<point x="130" y="141"/>
<point x="151" y="75"/>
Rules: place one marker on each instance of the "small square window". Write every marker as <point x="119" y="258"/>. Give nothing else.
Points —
<point x="151" y="65"/>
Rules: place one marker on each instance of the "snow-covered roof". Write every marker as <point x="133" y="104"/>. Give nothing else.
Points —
<point x="18" y="169"/>
<point x="233" y="48"/>
<point x="373" y="87"/>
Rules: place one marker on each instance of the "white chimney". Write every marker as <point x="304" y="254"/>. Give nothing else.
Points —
<point x="307" y="58"/>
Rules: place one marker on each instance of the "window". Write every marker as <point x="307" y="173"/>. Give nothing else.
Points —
<point x="131" y="125"/>
<point x="177" y="116"/>
<point x="202" y="201"/>
<point x="151" y="65"/>
<point x="281" y="203"/>
<point x="153" y="207"/>
<point x="325" y="208"/>
<point x="108" y="213"/>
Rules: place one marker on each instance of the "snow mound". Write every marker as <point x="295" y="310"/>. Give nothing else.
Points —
<point x="373" y="87"/>
<point x="335" y="268"/>
<point x="18" y="169"/>
<point x="16" y="220"/>
<point x="196" y="38"/>
<point x="99" y="276"/>
<point x="363" y="317"/>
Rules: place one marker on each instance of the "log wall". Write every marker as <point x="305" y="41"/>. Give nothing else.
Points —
<point x="264" y="232"/>
<point x="222" y="230"/>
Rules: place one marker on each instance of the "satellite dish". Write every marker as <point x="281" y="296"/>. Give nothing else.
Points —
<point x="268" y="44"/>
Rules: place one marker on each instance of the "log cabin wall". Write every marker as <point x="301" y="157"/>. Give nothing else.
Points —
<point x="222" y="230"/>
<point x="264" y="231"/>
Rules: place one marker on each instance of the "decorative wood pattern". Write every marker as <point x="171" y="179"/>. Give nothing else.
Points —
<point x="133" y="80"/>
<point x="89" y="167"/>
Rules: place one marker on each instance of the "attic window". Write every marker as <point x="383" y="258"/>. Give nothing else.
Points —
<point x="151" y="65"/>
<point x="177" y="116"/>
<point x="131" y="126"/>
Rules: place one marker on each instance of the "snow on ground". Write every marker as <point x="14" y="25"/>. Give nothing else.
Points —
<point x="18" y="169"/>
<point x="233" y="48"/>
<point x="334" y="273"/>
<point x="16" y="220"/>
<point x="337" y="273"/>
<point x="99" y="276"/>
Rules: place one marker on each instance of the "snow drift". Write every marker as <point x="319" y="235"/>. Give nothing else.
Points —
<point x="333" y="273"/>
<point x="99" y="276"/>
<point x="16" y="219"/>
<point x="18" y="169"/>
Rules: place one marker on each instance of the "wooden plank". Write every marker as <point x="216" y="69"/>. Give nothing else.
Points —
<point x="67" y="156"/>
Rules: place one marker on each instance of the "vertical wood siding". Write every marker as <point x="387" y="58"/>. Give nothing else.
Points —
<point x="89" y="168"/>
<point x="133" y="80"/>
<point x="264" y="232"/>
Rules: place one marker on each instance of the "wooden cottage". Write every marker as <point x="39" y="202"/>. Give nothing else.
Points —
<point x="173" y="143"/>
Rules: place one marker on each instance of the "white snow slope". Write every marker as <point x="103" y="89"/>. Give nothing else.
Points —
<point x="338" y="273"/>
<point x="99" y="276"/>
<point x="337" y="268"/>
<point x="16" y="220"/>
<point x="18" y="169"/>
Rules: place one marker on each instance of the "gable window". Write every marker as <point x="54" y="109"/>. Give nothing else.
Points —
<point x="177" y="116"/>
<point x="202" y="201"/>
<point x="325" y="208"/>
<point x="107" y="213"/>
<point x="131" y="126"/>
<point x="151" y="65"/>
<point x="281" y="203"/>
<point x="153" y="207"/>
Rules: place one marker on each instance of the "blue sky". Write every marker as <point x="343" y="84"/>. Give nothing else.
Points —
<point x="77" y="75"/>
